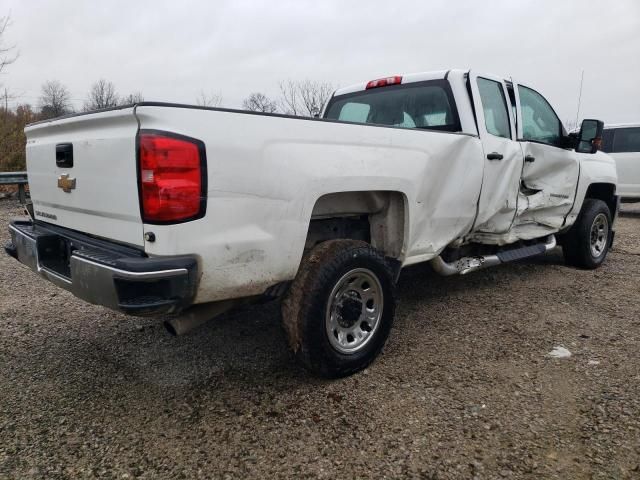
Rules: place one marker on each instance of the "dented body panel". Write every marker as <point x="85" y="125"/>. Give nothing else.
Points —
<point x="263" y="187"/>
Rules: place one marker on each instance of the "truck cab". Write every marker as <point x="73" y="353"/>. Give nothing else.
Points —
<point x="533" y="174"/>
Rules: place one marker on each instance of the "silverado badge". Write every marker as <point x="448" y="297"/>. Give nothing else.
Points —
<point x="65" y="183"/>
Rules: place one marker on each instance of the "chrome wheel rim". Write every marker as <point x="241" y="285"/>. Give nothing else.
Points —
<point x="354" y="310"/>
<point x="599" y="235"/>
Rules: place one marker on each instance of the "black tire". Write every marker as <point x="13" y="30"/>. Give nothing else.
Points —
<point x="305" y="307"/>
<point x="577" y="242"/>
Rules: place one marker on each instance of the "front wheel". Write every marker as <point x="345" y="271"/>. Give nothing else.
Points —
<point x="587" y="242"/>
<point x="340" y="308"/>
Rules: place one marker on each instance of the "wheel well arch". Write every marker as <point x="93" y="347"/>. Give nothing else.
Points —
<point x="378" y="217"/>
<point x="605" y="192"/>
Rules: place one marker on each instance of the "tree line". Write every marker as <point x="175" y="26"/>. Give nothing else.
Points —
<point x="12" y="138"/>
<point x="55" y="98"/>
<point x="54" y="101"/>
<point x="298" y="98"/>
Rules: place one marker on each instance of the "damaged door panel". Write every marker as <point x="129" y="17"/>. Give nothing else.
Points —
<point x="502" y="155"/>
<point x="550" y="172"/>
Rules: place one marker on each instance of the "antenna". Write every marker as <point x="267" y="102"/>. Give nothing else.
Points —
<point x="579" y="97"/>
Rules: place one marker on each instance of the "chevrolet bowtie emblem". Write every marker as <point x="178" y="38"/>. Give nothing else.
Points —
<point x="65" y="183"/>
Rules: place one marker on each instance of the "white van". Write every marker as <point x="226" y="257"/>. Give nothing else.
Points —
<point x="622" y="142"/>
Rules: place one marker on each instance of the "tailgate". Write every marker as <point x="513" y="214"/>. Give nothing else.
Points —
<point x="90" y="184"/>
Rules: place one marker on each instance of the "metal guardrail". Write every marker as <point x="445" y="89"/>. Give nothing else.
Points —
<point x="15" y="178"/>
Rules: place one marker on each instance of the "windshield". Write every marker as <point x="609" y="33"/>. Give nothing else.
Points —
<point x="427" y="105"/>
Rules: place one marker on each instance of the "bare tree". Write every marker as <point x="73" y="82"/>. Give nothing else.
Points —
<point x="314" y="95"/>
<point x="6" y="97"/>
<point x="304" y="98"/>
<point x="55" y="99"/>
<point x="259" y="102"/>
<point x="289" y="98"/>
<point x="208" y="99"/>
<point x="7" y="57"/>
<point x="102" y="95"/>
<point x="132" y="98"/>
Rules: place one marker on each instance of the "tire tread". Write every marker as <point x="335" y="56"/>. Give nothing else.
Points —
<point x="575" y="245"/>
<point x="317" y="270"/>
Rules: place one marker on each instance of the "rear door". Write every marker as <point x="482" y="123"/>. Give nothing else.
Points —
<point x="550" y="173"/>
<point x="502" y="154"/>
<point x="83" y="175"/>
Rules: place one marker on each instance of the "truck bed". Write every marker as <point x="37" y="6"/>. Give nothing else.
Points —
<point x="265" y="174"/>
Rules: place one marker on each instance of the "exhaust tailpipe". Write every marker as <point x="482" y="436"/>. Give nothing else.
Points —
<point x="196" y="316"/>
<point x="464" y="265"/>
<point x="471" y="264"/>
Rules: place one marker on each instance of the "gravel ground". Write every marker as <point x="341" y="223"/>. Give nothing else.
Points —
<point x="464" y="388"/>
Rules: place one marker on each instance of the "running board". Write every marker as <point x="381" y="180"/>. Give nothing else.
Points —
<point x="471" y="264"/>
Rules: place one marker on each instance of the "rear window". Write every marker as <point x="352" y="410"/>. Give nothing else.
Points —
<point x="426" y="105"/>
<point x="621" y="140"/>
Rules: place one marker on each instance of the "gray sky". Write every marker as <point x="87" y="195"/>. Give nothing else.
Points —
<point x="172" y="50"/>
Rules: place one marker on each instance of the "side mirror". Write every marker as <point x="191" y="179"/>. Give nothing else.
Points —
<point x="590" y="137"/>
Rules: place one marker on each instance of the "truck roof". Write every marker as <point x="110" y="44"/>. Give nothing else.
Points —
<point x="622" y="125"/>
<point x="406" y="78"/>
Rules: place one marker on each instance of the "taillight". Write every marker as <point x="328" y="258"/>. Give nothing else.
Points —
<point x="172" y="178"/>
<point x="383" y="82"/>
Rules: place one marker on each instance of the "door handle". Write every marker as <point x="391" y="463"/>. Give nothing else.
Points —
<point x="530" y="159"/>
<point x="495" y="156"/>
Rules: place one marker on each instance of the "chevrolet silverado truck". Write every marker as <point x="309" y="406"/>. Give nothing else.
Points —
<point x="174" y="209"/>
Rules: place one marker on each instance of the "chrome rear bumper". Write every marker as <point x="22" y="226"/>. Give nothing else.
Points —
<point x="105" y="273"/>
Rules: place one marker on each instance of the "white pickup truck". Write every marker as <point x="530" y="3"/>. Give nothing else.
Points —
<point x="622" y="143"/>
<point x="163" y="208"/>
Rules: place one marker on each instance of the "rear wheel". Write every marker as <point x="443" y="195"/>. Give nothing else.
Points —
<point x="340" y="308"/>
<point x="587" y="242"/>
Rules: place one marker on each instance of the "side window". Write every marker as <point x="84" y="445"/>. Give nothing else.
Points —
<point x="627" y="140"/>
<point x="494" y="107"/>
<point x="539" y="122"/>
